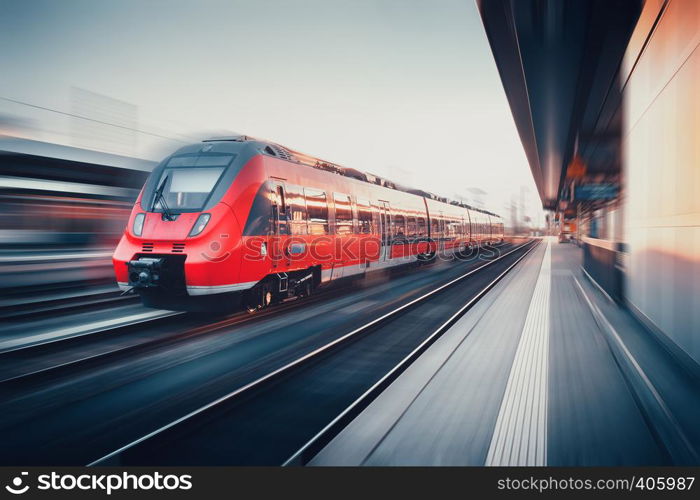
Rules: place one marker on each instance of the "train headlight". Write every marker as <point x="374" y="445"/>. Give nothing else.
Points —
<point x="137" y="228"/>
<point x="200" y="224"/>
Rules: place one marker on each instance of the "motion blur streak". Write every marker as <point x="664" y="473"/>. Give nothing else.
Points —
<point x="61" y="213"/>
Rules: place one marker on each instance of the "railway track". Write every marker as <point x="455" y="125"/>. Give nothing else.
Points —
<point x="259" y="423"/>
<point x="25" y="350"/>
<point x="193" y="326"/>
<point x="56" y="338"/>
<point x="29" y="306"/>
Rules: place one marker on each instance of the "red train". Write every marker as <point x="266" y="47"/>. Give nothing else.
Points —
<point x="239" y="220"/>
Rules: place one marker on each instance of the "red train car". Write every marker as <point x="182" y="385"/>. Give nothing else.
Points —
<point x="239" y="220"/>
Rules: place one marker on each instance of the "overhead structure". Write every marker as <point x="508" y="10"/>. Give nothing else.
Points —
<point x="559" y="62"/>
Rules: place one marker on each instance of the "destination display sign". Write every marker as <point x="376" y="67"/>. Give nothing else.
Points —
<point x="604" y="191"/>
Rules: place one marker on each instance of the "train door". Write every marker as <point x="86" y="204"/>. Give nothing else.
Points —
<point x="441" y="230"/>
<point x="344" y="229"/>
<point x="280" y="226"/>
<point x="384" y="231"/>
<point x="469" y="229"/>
<point x="319" y="230"/>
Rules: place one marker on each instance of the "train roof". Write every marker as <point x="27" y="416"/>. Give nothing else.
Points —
<point x="279" y="151"/>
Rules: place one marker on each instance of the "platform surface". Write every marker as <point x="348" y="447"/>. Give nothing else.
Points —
<point x="544" y="370"/>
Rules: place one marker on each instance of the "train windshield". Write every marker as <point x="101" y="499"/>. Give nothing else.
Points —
<point x="186" y="188"/>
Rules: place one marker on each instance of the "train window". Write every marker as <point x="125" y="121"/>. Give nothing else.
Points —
<point x="343" y="214"/>
<point x="281" y="202"/>
<point x="434" y="227"/>
<point x="296" y="206"/>
<point x="421" y="229"/>
<point x="317" y="209"/>
<point x="259" y="217"/>
<point x="187" y="188"/>
<point x="411" y="227"/>
<point x="454" y="227"/>
<point x="364" y="217"/>
<point x="399" y="226"/>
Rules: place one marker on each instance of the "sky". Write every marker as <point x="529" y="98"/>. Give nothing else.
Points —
<point x="407" y="89"/>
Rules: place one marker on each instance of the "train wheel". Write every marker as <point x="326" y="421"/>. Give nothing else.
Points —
<point x="306" y="289"/>
<point x="251" y="306"/>
<point x="426" y="258"/>
<point x="267" y="295"/>
<point x="260" y="297"/>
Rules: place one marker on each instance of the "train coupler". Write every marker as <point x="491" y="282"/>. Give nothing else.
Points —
<point x="145" y="272"/>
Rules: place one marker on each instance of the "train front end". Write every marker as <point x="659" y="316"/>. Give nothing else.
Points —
<point x="181" y="249"/>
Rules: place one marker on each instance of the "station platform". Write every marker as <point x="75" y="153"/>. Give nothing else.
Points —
<point x="544" y="370"/>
